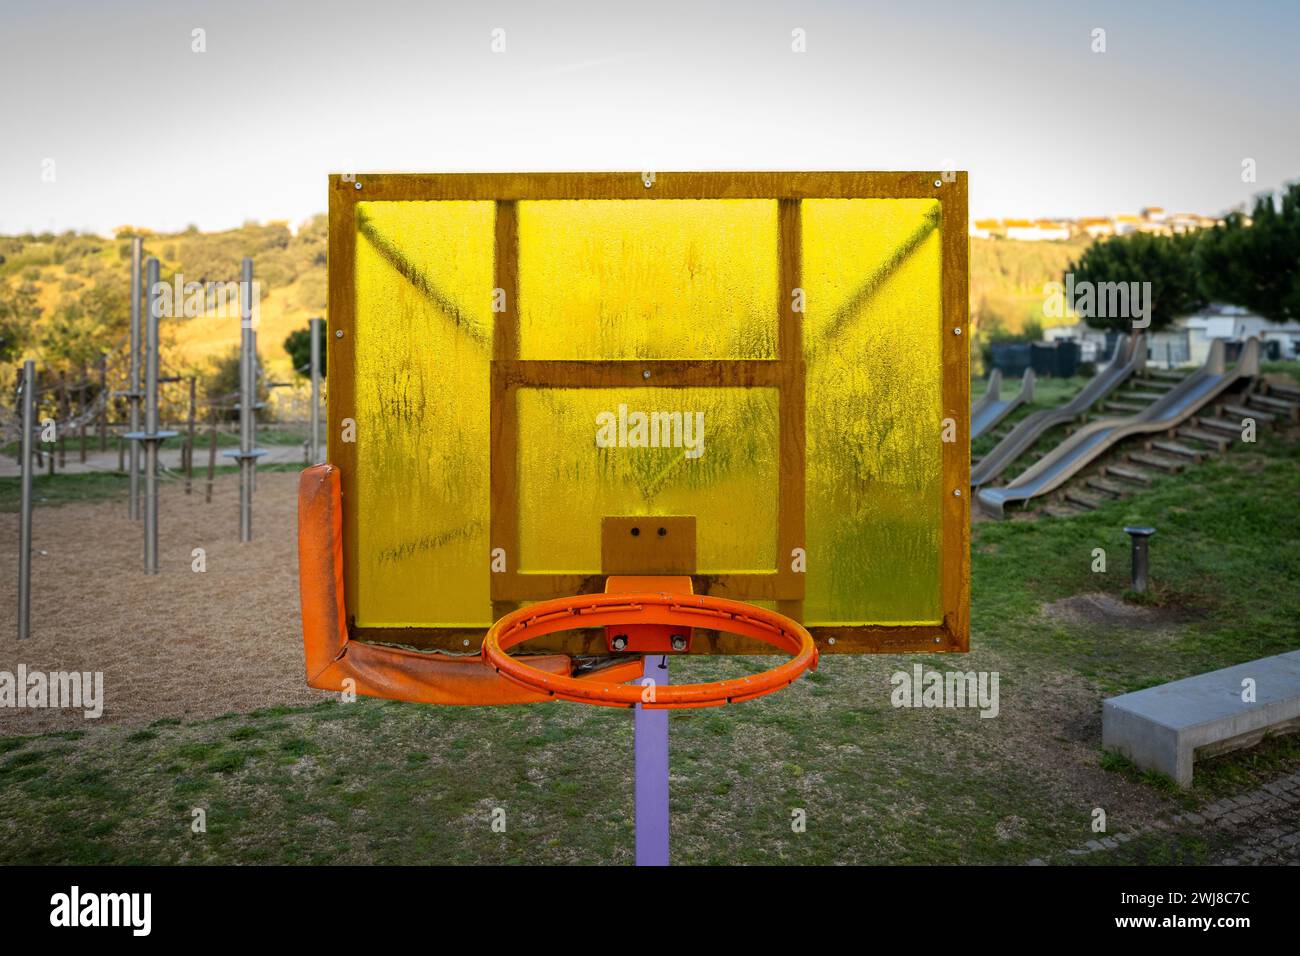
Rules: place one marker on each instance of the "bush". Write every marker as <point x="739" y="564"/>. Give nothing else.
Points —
<point x="298" y="345"/>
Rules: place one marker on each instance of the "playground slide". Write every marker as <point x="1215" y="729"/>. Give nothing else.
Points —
<point x="990" y="409"/>
<point x="1130" y="356"/>
<point x="1092" y="440"/>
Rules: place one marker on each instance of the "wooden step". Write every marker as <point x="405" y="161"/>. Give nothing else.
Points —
<point x="1209" y="438"/>
<point x="1168" y="374"/>
<point x="1104" y="486"/>
<point x="1241" y="411"/>
<point x="1085" y="501"/>
<point x="1147" y="397"/>
<point x="1126" y="473"/>
<point x="1162" y="385"/>
<point x="1283" y="391"/>
<point x="1223" y="425"/>
<point x="1171" y="465"/>
<point x="1122" y="407"/>
<point x="1280" y="405"/>
<point x="1057" y="511"/>
<point x="1174" y="448"/>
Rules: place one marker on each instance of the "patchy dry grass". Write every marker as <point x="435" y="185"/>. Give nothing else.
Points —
<point x="382" y="782"/>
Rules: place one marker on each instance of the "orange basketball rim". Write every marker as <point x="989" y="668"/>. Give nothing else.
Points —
<point x="662" y="610"/>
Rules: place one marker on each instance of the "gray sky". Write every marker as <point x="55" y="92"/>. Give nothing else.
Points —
<point x="143" y="130"/>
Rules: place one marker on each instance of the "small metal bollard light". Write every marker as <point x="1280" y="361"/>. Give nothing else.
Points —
<point x="1139" y="534"/>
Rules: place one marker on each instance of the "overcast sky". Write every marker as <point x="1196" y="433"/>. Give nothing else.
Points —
<point x="140" y="129"/>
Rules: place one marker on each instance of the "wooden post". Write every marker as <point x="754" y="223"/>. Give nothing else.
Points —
<point x="81" y="411"/>
<point x="45" y="377"/>
<point x="103" y="394"/>
<point x="212" y="452"/>
<point x="18" y="390"/>
<point x="62" y="413"/>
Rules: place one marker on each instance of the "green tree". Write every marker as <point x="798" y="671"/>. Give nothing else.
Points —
<point x="1167" y="262"/>
<point x="222" y="386"/>
<point x="1255" y="263"/>
<point x="298" y="345"/>
<point x="18" y="312"/>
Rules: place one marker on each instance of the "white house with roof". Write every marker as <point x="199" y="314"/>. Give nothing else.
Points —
<point x="1186" y="341"/>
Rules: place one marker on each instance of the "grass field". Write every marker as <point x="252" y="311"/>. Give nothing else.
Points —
<point x="388" y="782"/>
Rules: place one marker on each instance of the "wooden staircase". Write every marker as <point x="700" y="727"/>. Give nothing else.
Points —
<point x="1207" y="435"/>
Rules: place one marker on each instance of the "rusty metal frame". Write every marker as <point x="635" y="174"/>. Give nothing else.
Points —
<point x="786" y="373"/>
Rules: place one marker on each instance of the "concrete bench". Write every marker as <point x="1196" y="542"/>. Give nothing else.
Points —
<point x="1164" y="728"/>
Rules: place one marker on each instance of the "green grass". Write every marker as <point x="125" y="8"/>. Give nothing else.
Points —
<point x="267" y="435"/>
<point x="1222" y="530"/>
<point x="61" y="489"/>
<point x="385" y="782"/>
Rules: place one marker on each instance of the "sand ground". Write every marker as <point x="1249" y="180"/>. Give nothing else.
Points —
<point x="176" y="644"/>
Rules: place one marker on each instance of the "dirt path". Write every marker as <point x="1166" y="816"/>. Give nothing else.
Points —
<point x="178" y="644"/>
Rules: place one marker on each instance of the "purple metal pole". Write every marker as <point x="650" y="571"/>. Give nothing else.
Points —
<point x="651" y="747"/>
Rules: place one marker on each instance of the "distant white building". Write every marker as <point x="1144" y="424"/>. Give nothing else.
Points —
<point x="1042" y="230"/>
<point x="1187" y="341"/>
<point x="1219" y="321"/>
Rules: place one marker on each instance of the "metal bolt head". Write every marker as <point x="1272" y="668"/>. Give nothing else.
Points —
<point x="645" y="373"/>
<point x="679" y="642"/>
<point x="938" y="183"/>
<point x="619" y="643"/>
<point x="956" y="331"/>
<point x="356" y="185"/>
<point x="338" y="334"/>
<point x="956" y="493"/>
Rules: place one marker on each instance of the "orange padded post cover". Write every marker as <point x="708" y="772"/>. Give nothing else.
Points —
<point x="389" y="672"/>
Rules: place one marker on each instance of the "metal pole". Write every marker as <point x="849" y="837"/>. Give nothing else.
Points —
<point x="247" y="396"/>
<point x="1139" y="536"/>
<point x="25" y="508"/>
<point x="133" y="382"/>
<point x="315" y="326"/>
<point x="151" y="424"/>
<point x="651" y="754"/>
<point x="189" y="442"/>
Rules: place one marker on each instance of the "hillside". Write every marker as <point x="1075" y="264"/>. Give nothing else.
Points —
<point x="1006" y="280"/>
<point x="65" y="298"/>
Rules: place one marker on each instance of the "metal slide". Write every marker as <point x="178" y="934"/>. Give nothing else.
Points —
<point x="1130" y="356"/>
<point x="1092" y="440"/>
<point x="990" y="409"/>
